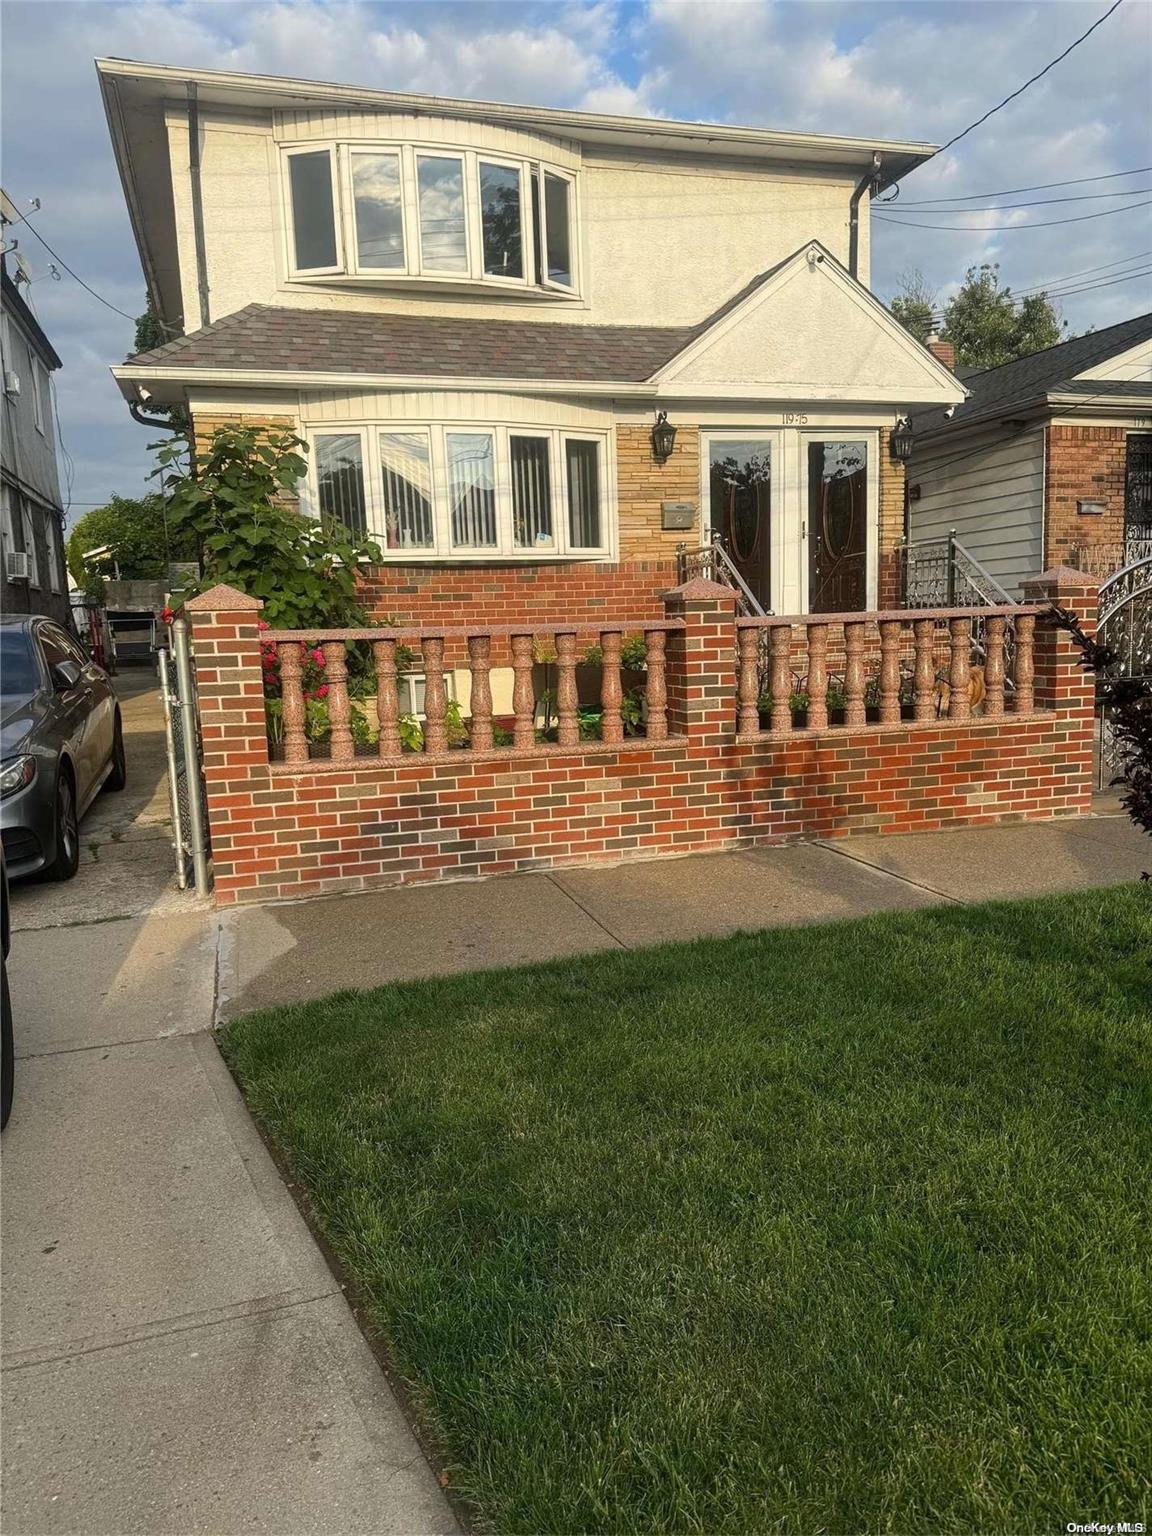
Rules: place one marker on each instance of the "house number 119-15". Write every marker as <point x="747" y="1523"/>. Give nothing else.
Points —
<point x="795" y="418"/>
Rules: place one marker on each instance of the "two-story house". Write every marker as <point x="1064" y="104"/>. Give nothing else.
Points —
<point x="535" y="353"/>
<point x="31" y="515"/>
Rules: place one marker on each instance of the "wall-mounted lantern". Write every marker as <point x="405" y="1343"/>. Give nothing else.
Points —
<point x="663" y="438"/>
<point x="901" y="441"/>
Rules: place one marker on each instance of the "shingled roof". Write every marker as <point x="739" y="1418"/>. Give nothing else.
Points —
<point x="268" y="338"/>
<point x="1029" y="380"/>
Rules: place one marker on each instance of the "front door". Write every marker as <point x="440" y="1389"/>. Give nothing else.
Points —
<point x="837" y="525"/>
<point x="740" y="504"/>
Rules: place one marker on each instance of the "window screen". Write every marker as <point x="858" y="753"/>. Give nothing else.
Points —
<point x="407" y="489"/>
<point x="472" y="489"/>
<point x="500" y="220"/>
<point x="559" y="237"/>
<point x="313" y="221"/>
<point x="583" y="467"/>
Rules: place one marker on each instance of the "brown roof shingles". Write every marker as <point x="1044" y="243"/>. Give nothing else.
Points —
<point x="267" y="338"/>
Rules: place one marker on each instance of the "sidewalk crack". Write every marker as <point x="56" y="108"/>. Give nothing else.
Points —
<point x="576" y="902"/>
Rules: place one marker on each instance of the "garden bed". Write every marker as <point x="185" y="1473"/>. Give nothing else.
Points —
<point x="831" y="1229"/>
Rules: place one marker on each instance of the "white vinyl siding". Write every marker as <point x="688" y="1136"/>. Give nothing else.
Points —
<point x="993" y="496"/>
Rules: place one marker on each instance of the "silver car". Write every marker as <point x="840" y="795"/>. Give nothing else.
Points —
<point x="61" y="742"/>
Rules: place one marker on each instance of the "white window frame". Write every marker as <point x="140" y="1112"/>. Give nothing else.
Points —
<point x="415" y="269"/>
<point x="573" y="231"/>
<point x="338" y="202"/>
<point x="443" y="551"/>
<point x="346" y="211"/>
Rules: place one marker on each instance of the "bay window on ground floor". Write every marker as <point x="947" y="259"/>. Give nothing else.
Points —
<point x="467" y="491"/>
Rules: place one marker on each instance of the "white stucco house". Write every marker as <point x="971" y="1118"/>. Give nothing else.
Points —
<point x="475" y="314"/>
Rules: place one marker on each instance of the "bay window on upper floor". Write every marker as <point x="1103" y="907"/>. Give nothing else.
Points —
<point x="402" y="212"/>
<point x="464" y="492"/>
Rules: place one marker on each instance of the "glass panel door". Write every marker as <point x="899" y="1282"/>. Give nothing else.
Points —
<point x="837" y="526"/>
<point x="740" y="503"/>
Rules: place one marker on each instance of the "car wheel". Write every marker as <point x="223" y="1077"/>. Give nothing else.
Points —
<point x="67" y="859"/>
<point x="118" y="774"/>
<point x="7" y="1053"/>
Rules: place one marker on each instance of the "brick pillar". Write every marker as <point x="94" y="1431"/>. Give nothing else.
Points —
<point x="226" y="646"/>
<point x="702" y="661"/>
<point x="1061" y="683"/>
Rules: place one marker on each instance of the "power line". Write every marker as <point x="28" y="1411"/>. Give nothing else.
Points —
<point x="1121" y="261"/>
<point x="106" y="302"/>
<point x="1065" y="293"/>
<point x="1039" y="202"/>
<point x="1041" y="186"/>
<point x="964" y="132"/>
<point x="965" y="229"/>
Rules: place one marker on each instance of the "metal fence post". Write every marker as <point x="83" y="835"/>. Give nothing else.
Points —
<point x="951" y="578"/>
<point x="182" y="646"/>
<point x="168" y="699"/>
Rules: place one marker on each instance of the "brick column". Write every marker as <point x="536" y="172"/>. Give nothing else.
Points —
<point x="702" y="661"/>
<point x="1061" y="683"/>
<point x="229" y="684"/>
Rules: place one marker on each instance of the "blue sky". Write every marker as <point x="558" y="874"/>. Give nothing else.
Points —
<point x="895" y="70"/>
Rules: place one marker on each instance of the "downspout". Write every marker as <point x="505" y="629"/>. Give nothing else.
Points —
<point x="197" y="202"/>
<point x="866" y="183"/>
<point x="149" y="421"/>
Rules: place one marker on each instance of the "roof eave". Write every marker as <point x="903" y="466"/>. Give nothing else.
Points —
<point x="232" y="88"/>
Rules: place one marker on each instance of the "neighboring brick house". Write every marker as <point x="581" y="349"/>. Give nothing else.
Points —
<point x="31" y="516"/>
<point x="1047" y="463"/>
<point x="475" y="314"/>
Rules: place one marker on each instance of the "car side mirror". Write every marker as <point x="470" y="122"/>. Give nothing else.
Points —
<point x="65" y="675"/>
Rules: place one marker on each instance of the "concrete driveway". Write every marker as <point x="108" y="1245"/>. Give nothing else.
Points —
<point x="177" y="1357"/>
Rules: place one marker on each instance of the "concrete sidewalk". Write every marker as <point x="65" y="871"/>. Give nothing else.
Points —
<point x="297" y="951"/>
<point x="177" y="1356"/>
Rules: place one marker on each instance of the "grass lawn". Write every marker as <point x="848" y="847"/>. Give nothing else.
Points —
<point x="837" y="1229"/>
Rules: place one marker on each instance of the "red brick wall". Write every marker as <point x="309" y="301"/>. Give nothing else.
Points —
<point x="583" y="591"/>
<point x="1082" y="464"/>
<point x="280" y="831"/>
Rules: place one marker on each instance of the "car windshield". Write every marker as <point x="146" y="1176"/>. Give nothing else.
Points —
<point x="18" y="670"/>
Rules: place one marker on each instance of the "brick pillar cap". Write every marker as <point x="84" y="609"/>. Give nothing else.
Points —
<point x="223" y="599"/>
<point x="698" y="588"/>
<point x="1061" y="576"/>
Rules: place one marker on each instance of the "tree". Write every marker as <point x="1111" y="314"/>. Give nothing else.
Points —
<point x="988" y="326"/>
<point x="151" y="332"/>
<point x="233" y="511"/>
<point x="915" y="304"/>
<point x="143" y="543"/>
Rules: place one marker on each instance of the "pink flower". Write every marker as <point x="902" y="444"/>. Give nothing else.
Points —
<point x="322" y="691"/>
<point x="318" y="656"/>
<point x="261" y="623"/>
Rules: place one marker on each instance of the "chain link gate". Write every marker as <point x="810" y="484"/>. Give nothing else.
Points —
<point x="184" y="752"/>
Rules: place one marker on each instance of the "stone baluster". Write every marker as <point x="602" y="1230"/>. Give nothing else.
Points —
<point x="523" y="694"/>
<point x="339" y="704"/>
<point x="748" y="691"/>
<point x="611" y="692"/>
<point x="924" y="679"/>
<point x="1025" y="671"/>
<point x="854" y="713"/>
<point x="656" y="688"/>
<point x="960" y="670"/>
<point x="889" y="671"/>
<point x="387" y="699"/>
<point x="435" y="695"/>
<point x="292" y="701"/>
<point x="994" y="627"/>
<point x="818" y="677"/>
<point x="780" y="675"/>
<point x="480" y="662"/>
<point x="567" y="703"/>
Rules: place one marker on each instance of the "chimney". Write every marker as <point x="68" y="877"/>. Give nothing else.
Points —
<point x="943" y="351"/>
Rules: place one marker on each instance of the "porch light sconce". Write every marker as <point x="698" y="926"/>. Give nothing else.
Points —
<point x="901" y="441"/>
<point x="663" y="438"/>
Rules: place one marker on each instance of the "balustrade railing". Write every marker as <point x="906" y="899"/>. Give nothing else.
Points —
<point x="820" y="671"/>
<point x="547" y="707"/>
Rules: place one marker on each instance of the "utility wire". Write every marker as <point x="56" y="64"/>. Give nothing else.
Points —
<point x="1041" y="186"/>
<point x="1121" y="261"/>
<point x="939" y="315"/>
<point x="965" y="229"/>
<point x="107" y="303"/>
<point x="964" y="132"/>
<point x="1039" y="202"/>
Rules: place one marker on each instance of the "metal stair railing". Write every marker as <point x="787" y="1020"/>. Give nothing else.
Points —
<point x="941" y="573"/>
<point x="712" y="562"/>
